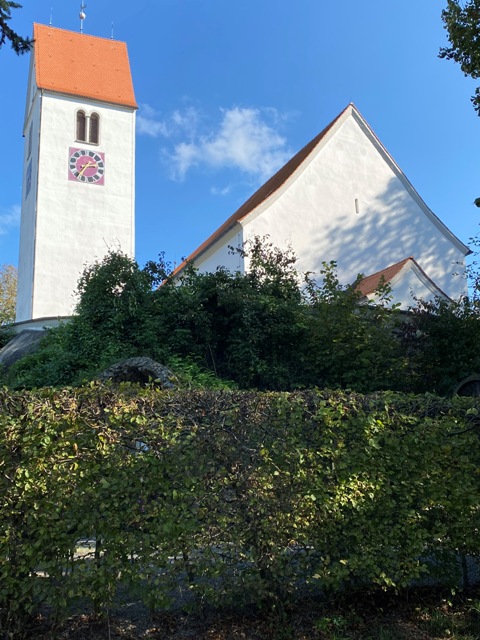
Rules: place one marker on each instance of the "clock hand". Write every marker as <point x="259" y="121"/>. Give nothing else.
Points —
<point x="87" y="165"/>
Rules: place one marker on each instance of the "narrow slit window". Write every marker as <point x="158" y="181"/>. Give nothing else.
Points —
<point x="81" y="126"/>
<point x="30" y="140"/>
<point x="94" y="128"/>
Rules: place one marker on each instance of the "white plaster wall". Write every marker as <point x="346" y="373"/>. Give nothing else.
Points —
<point x="316" y="214"/>
<point x="31" y="91"/>
<point x="28" y="217"/>
<point x="219" y="255"/>
<point x="78" y="223"/>
<point x="408" y="285"/>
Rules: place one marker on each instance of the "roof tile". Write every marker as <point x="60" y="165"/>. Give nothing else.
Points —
<point x="370" y="284"/>
<point x="82" y="65"/>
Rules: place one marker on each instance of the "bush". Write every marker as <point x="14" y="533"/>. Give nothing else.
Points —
<point x="230" y="497"/>
<point x="262" y="330"/>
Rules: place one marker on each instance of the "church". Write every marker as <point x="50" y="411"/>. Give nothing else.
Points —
<point x="78" y="198"/>
<point x="342" y="197"/>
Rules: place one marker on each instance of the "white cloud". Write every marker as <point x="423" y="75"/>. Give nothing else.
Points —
<point x="151" y="124"/>
<point x="244" y="140"/>
<point x="9" y="219"/>
<point x="218" y="191"/>
<point x="185" y="156"/>
<point x="187" y="121"/>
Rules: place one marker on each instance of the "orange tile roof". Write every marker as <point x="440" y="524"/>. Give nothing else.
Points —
<point x="262" y="194"/>
<point x="370" y="284"/>
<point x="80" y="65"/>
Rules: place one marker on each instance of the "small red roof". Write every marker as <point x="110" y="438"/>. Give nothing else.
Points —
<point x="80" y="65"/>
<point x="370" y="284"/>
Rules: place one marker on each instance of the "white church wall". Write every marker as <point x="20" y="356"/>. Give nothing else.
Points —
<point x="220" y="255"/>
<point x="31" y="91"/>
<point x="28" y="219"/>
<point x="411" y="285"/>
<point x="80" y="222"/>
<point x="349" y="205"/>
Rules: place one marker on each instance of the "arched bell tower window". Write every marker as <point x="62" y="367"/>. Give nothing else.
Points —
<point x="87" y="128"/>
<point x="81" y="133"/>
<point x="94" y="128"/>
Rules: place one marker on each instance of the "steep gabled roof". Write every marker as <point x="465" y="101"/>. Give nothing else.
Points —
<point x="286" y="174"/>
<point x="85" y="66"/>
<point x="263" y="193"/>
<point x="369" y="285"/>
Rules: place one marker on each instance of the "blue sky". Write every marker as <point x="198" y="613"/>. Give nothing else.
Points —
<point x="229" y="91"/>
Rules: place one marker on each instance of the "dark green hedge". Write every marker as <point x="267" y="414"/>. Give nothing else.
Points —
<point x="228" y="497"/>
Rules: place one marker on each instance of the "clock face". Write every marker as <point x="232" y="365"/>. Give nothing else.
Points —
<point x="86" y="166"/>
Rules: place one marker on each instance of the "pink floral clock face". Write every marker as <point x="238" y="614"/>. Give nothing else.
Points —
<point x="86" y="166"/>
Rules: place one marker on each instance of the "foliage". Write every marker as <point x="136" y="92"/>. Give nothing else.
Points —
<point x="442" y="340"/>
<point x="210" y="498"/>
<point x="19" y="45"/>
<point x="264" y="329"/>
<point x="462" y="22"/>
<point x="473" y="270"/>
<point x="352" y="344"/>
<point x="8" y="293"/>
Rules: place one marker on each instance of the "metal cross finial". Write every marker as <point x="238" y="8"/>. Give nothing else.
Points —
<point x="82" y="15"/>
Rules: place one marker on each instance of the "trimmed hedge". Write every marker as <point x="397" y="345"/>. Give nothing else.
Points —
<point x="217" y="497"/>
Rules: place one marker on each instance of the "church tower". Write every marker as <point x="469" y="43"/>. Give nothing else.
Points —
<point x="78" y="199"/>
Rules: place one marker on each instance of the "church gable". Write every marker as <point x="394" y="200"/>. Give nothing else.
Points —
<point x="406" y="280"/>
<point x="343" y="198"/>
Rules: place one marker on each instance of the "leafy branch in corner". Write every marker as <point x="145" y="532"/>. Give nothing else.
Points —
<point x="19" y="45"/>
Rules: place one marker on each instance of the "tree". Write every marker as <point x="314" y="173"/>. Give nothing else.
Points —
<point x="260" y="330"/>
<point x="8" y="294"/>
<point x="462" y="22"/>
<point x="19" y="45"/>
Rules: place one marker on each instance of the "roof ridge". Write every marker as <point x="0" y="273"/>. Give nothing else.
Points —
<point x="266" y="190"/>
<point x="370" y="283"/>
<point x="84" y="35"/>
<point x="375" y="278"/>
<point x="104" y="76"/>
<point x="391" y="266"/>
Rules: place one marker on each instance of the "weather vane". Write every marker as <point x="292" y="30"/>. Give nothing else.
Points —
<point x="82" y="15"/>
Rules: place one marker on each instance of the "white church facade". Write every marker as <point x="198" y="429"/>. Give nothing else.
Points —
<point x="343" y="198"/>
<point x="78" y="199"/>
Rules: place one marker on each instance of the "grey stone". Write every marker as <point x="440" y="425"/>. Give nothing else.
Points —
<point x="142" y="370"/>
<point x="23" y="344"/>
<point x="468" y="387"/>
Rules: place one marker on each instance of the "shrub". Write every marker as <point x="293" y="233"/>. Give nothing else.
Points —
<point x="230" y="497"/>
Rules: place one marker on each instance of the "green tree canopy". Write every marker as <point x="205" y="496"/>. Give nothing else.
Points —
<point x="19" y="44"/>
<point x="265" y="329"/>
<point x="270" y="329"/>
<point x="462" y="22"/>
<point x="8" y="293"/>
